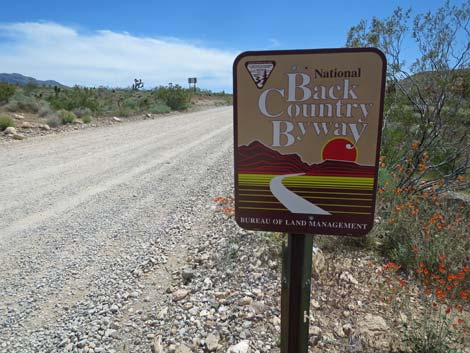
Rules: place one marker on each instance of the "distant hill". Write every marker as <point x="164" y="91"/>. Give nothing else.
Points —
<point x="460" y="77"/>
<point x="21" y="80"/>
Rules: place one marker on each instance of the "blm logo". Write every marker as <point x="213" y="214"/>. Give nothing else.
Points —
<point x="260" y="71"/>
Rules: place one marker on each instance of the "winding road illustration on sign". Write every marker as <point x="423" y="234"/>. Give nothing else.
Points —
<point x="293" y="202"/>
<point x="336" y="149"/>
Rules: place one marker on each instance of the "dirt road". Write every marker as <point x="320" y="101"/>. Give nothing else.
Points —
<point x="84" y="215"/>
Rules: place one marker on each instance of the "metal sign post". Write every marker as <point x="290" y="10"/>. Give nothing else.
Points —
<point x="192" y="81"/>
<point x="307" y="130"/>
<point x="295" y="293"/>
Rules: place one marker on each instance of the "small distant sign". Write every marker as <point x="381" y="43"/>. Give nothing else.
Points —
<point x="192" y="80"/>
<point x="307" y="139"/>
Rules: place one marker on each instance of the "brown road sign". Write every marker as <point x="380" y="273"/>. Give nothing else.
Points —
<point x="307" y="139"/>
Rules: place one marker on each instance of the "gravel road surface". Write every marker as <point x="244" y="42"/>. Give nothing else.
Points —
<point x="93" y="224"/>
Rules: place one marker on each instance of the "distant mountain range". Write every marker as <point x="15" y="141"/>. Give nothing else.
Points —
<point x="21" y="80"/>
<point x="256" y="158"/>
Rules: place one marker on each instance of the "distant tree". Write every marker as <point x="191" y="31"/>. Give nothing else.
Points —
<point x="426" y="120"/>
<point x="6" y="92"/>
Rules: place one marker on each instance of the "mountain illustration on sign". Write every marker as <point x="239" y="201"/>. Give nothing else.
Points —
<point x="292" y="182"/>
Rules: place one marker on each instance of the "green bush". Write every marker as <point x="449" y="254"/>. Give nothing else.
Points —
<point x="131" y="104"/>
<point x="6" y="121"/>
<point x="123" y="112"/>
<point x="74" y="98"/>
<point x="159" y="108"/>
<point x="175" y="96"/>
<point x="22" y="103"/>
<point x="87" y="119"/>
<point x="81" y="112"/>
<point x="66" y="117"/>
<point x="54" y="121"/>
<point x="418" y="226"/>
<point x="45" y="110"/>
<point x="228" y="99"/>
<point x="6" y="91"/>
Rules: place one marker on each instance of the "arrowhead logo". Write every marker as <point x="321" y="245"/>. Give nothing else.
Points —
<point x="260" y="71"/>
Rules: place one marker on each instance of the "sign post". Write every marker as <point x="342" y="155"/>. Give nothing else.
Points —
<point x="307" y="128"/>
<point x="192" y="81"/>
<point x="295" y="292"/>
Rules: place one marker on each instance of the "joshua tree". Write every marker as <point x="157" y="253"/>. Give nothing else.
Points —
<point x="138" y="84"/>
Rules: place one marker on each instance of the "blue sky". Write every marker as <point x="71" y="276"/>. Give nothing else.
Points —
<point x="111" y="42"/>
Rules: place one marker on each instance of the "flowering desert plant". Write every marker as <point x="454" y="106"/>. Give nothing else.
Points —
<point x="418" y="225"/>
<point x="443" y="324"/>
<point x="225" y="205"/>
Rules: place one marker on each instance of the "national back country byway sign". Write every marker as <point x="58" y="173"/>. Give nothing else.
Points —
<point x="307" y="127"/>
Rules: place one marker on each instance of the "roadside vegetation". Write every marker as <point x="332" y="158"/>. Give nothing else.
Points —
<point x="6" y="121"/>
<point x="63" y="105"/>
<point x="424" y="227"/>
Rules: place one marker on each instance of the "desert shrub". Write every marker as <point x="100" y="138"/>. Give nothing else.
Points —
<point x="66" y="117"/>
<point x="175" y="96"/>
<point x="6" y="91"/>
<point x="74" y="98"/>
<point x="228" y="98"/>
<point x="22" y="103"/>
<point x="145" y="102"/>
<point x="54" y="121"/>
<point x="87" y="119"/>
<point x="6" y="121"/>
<point x="123" y="112"/>
<point x="81" y="112"/>
<point x="419" y="226"/>
<point x="442" y="324"/>
<point x="159" y="108"/>
<point x="45" y="110"/>
<point x="131" y="103"/>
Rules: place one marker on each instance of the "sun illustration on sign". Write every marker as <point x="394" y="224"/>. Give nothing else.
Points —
<point x="339" y="149"/>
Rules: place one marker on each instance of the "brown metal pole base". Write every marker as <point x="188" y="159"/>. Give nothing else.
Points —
<point x="295" y="293"/>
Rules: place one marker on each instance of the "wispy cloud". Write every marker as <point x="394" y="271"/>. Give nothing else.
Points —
<point x="274" y="43"/>
<point x="47" y="50"/>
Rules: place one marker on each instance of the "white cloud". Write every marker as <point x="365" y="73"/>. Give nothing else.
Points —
<point x="47" y="50"/>
<point x="274" y="43"/>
